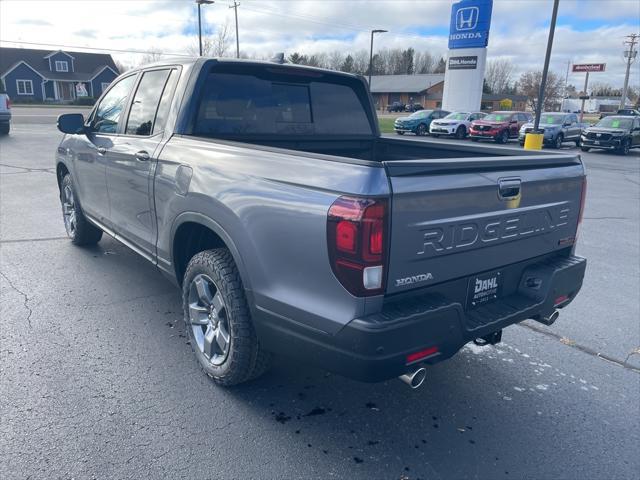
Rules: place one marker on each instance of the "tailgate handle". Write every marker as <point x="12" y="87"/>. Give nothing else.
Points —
<point x="509" y="188"/>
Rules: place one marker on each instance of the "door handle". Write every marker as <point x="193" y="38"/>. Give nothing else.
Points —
<point x="102" y="150"/>
<point x="142" y="156"/>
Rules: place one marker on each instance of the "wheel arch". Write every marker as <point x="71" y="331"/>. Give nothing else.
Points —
<point x="194" y="232"/>
<point x="61" y="170"/>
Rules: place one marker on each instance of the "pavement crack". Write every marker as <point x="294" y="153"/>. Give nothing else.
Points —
<point x="584" y="349"/>
<point x="24" y="296"/>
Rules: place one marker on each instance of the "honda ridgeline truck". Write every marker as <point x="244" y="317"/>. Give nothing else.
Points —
<point x="267" y="193"/>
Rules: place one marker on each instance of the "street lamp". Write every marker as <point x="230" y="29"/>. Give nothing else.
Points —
<point x="371" y="53"/>
<point x="201" y="2"/>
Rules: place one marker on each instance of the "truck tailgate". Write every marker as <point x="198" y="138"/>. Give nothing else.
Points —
<point x="454" y="218"/>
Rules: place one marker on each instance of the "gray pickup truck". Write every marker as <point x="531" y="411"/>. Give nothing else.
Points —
<point x="557" y="127"/>
<point x="267" y="193"/>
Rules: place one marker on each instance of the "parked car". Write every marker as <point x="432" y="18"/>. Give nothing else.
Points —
<point x="5" y="113"/>
<point x="418" y="122"/>
<point x="623" y="111"/>
<point x="455" y="124"/>
<point x="620" y="133"/>
<point x="313" y="235"/>
<point x="499" y="126"/>
<point x="557" y="127"/>
<point x="413" y="107"/>
<point x="396" y="107"/>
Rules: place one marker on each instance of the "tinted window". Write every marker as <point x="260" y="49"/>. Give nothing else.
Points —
<point x="552" y="119"/>
<point x="269" y="103"/>
<point x="110" y="109"/>
<point x="615" y="122"/>
<point x="165" y="101"/>
<point x="145" y="102"/>
<point x="573" y="118"/>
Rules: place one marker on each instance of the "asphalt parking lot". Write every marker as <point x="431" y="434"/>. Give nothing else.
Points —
<point x="97" y="379"/>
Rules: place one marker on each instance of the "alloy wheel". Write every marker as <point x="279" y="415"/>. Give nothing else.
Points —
<point x="208" y="319"/>
<point x="69" y="210"/>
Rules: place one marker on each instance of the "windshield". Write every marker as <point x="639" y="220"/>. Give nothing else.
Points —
<point x="613" y="122"/>
<point x="550" y="119"/>
<point x="497" y="117"/>
<point x="421" y="114"/>
<point x="457" y="116"/>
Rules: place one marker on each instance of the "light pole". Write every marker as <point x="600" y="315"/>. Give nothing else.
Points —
<point x="201" y="2"/>
<point x="371" y="53"/>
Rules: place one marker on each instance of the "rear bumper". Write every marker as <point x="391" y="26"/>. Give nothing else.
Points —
<point x="375" y="347"/>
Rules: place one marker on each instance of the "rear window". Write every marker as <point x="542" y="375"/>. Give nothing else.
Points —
<point x="236" y="103"/>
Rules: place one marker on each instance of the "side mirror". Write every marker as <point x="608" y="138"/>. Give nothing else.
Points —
<point x="72" y="123"/>
<point x="567" y="124"/>
<point x="514" y="121"/>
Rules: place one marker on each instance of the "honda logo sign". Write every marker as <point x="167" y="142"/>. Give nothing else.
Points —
<point x="470" y="21"/>
<point x="467" y="18"/>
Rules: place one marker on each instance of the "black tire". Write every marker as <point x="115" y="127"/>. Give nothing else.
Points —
<point x="245" y="359"/>
<point x="577" y="142"/>
<point x="461" y="132"/>
<point x="585" y="149"/>
<point x="625" y="147"/>
<point x="435" y="135"/>
<point x="475" y="139"/>
<point x="557" y="144"/>
<point x="5" y="128"/>
<point x="421" y="130"/>
<point x="502" y="137"/>
<point x="78" y="228"/>
<point x="400" y="133"/>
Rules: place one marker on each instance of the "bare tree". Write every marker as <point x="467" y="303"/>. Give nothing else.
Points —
<point x="121" y="66"/>
<point x="424" y="62"/>
<point x="361" y="62"/>
<point x="216" y="45"/>
<point x="529" y="85"/>
<point x="498" y="75"/>
<point x="152" y="55"/>
<point x="335" y="60"/>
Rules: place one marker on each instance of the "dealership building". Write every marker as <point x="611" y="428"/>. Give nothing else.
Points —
<point x="427" y="90"/>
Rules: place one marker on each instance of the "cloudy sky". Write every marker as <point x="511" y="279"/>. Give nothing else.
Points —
<point x="588" y="30"/>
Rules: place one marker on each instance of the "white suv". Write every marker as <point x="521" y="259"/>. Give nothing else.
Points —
<point x="455" y="124"/>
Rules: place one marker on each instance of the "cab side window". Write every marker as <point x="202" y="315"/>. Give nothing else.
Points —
<point x="145" y="102"/>
<point x="107" y="116"/>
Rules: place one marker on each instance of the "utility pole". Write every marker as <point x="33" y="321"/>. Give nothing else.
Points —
<point x="200" y="3"/>
<point x="631" y="55"/>
<point x="545" y="69"/>
<point x="371" y="54"/>
<point x="235" y="8"/>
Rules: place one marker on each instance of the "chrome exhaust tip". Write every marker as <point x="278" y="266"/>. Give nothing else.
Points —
<point x="550" y="319"/>
<point x="414" y="379"/>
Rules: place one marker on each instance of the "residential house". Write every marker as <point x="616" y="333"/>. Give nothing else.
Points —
<point x="426" y="89"/>
<point x="31" y="75"/>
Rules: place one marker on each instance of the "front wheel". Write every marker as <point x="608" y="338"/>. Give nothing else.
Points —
<point x="558" y="143"/>
<point x="218" y="320"/>
<point x="474" y="139"/>
<point x="461" y="132"/>
<point x="421" y="130"/>
<point x="5" y="128"/>
<point x="400" y="133"/>
<point x="503" y="137"/>
<point x="78" y="228"/>
<point x="585" y="149"/>
<point x="625" y="147"/>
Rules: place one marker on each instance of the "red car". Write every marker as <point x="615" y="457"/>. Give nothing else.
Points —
<point x="499" y="126"/>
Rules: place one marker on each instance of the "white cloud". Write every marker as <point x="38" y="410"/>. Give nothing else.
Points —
<point x="587" y="30"/>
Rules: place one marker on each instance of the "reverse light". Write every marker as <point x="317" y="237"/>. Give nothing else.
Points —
<point x="357" y="243"/>
<point x="560" y="300"/>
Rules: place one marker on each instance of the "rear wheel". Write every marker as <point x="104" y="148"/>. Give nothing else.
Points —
<point x="400" y="133"/>
<point x="585" y="149"/>
<point x="474" y="139"/>
<point x="78" y="228"/>
<point x="434" y="135"/>
<point x="461" y="132"/>
<point x="421" y="130"/>
<point x="4" y="128"/>
<point x="218" y="321"/>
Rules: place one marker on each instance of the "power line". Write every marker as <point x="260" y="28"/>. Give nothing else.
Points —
<point x="142" y="52"/>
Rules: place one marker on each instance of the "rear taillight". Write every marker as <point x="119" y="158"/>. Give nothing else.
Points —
<point x="583" y="199"/>
<point x="357" y="243"/>
<point x="7" y="102"/>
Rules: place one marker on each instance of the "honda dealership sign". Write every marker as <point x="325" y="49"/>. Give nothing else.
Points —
<point x="468" y="39"/>
<point x="470" y="21"/>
